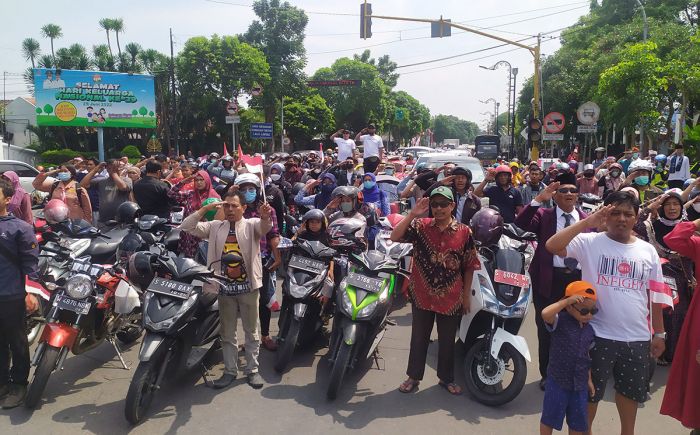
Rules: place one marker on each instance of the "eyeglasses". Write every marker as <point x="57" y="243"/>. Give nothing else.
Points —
<point x="567" y="190"/>
<point x="586" y="311"/>
<point x="440" y="204"/>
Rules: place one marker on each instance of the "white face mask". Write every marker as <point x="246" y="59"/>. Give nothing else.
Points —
<point x="696" y="206"/>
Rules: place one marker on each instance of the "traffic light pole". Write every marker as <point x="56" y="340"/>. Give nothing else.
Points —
<point x="534" y="50"/>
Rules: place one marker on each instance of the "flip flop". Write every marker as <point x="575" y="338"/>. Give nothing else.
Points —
<point x="409" y="386"/>
<point x="451" y="388"/>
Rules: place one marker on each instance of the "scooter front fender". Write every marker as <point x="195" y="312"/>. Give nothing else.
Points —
<point x="502" y="336"/>
<point x="350" y="333"/>
<point x="150" y="345"/>
<point x="299" y="310"/>
<point x="59" y="335"/>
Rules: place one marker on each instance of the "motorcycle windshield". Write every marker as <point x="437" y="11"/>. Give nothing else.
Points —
<point x="508" y="260"/>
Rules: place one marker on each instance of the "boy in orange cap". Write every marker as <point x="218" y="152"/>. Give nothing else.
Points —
<point x="569" y="371"/>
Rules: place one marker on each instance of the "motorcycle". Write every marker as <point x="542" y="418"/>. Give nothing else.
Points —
<point x="181" y="321"/>
<point x="589" y="203"/>
<point x="93" y="304"/>
<point x="401" y="252"/>
<point x="300" y="317"/>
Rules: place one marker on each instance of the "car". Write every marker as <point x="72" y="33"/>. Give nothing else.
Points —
<point x="416" y="151"/>
<point x="25" y="171"/>
<point x="435" y="160"/>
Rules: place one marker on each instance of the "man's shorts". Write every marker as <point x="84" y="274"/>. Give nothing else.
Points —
<point x="628" y="362"/>
<point x="560" y="403"/>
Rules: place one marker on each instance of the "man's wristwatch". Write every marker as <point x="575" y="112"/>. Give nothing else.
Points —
<point x="661" y="335"/>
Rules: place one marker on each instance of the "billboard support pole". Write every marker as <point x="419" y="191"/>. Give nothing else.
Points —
<point x="100" y="144"/>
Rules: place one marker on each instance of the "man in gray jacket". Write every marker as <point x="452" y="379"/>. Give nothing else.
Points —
<point x="240" y="236"/>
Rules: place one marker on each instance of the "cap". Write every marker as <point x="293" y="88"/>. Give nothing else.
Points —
<point x="371" y="126"/>
<point x="566" y="178"/>
<point x="581" y="288"/>
<point x="462" y="171"/>
<point x="444" y="191"/>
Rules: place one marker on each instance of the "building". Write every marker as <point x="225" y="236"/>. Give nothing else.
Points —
<point x="19" y="115"/>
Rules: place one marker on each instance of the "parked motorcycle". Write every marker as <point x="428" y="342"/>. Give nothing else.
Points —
<point x="401" y="252"/>
<point x="94" y="304"/>
<point x="300" y="317"/>
<point x="494" y="365"/>
<point x="181" y="321"/>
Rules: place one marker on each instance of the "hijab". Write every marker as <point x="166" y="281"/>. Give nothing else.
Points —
<point x="664" y="225"/>
<point x="16" y="201"/>
<point x="326" y="194"/>
<point x="197" y="196"/>
<point x="371" y="195"/>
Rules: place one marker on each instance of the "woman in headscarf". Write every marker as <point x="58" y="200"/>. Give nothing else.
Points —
<point x="66" y="188"/>
<point x="372" y="194"/>
<point x="191" y="201"/>
<point x="657" y="220"/>
<point x="21" y="204"/>
<point x="320" y="200"/>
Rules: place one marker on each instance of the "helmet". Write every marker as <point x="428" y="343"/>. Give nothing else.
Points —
<point x="487" y="225"/>
<point x="127" y="212"/>
<point x="573" y="164"/>
<point x="514" y="165"/>
<point x="140" y="270"/>
<point x="686" y="183"/>
<point x="503" y="169"/>
<point x="214" y="155"/>
<point x="588" y="167"/>
<point x="660" y="158"/>
<point x="55" y="211"/>
<point x="641" y="165"/>
<point x="317" y="215"/>
<point x="561" y="166"/>
<point x="129" y="245"/>
<point x="600" y="150"/>
<point x="248" y="179"/>
<point x="211" y="213"/>
<point x="350" y="191"/>
<point x="298" y="187"/>
<point x="227" y="158"/>
<point x="615" y="166"/>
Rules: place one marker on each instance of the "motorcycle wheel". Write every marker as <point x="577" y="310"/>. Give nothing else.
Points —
<point x="46" y="366"/>
<point x="286" y="351"/>
<point x="340" y="367"/>
<point x="486" y="384"/>
<point x="141" y="391"/>
<point x="130" y="334"/>
<point x="34" y="326"/>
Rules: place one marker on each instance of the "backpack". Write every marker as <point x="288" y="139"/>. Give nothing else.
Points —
<point x="78" y="192"/>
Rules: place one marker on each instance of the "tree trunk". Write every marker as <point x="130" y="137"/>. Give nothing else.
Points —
<point x="109" y="45"/>
<point x="119" y="48"/>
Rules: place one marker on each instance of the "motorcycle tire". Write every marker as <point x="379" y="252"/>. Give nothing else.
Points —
<point x="141" y="391"/>
<point x="34" y="326"/>
<point x="479" y="389"/>
<point x="340" y="367"/>
<point x="286" y="350"/>
<point x="130" y="334"/>
<point x="47" y="364"/>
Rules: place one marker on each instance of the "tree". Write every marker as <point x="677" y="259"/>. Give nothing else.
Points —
<point x="102" y="58"/>
<point x="451" y="127"/>
<point x="307" y="118"/>
<point x="384" y="65"/>
<point x="106" y="24"/>
<point x="279" y="34"/>
<point x="153" y="61"/>
<point x="52" y="31"/>
<point x="118" y="26"/>
<point x="133" y="49"/>
<point x="30" y="49"/>
<point x="416" y="117"/>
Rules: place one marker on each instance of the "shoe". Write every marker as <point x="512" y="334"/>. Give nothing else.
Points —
<point x="269" y="344"/>
<point x="224" y="381"/>
<point x="255" y="380"/>
<point x="15" y="397"/>
<point x="4" y="391"/>
<point x="543" y="382"/>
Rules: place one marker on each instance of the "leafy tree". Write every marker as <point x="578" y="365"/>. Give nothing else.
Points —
<point x="118" y="26"/>
<point x="48" y="109"/>
<point x="307" y="118"/>
<point x="30" y="49"/>
<point x="143" y="111"/>
<point x="134" y="112"/>
<point x="133" y="50"/>
<point x="451" y="127"/>
<point x="106" y="24"/>
<point x="52" y="31"/>
<point x="102" y="58"/>
<point x="416" y="117"/>
<point x="384" y="65"/>
<point x="131" y="152"/>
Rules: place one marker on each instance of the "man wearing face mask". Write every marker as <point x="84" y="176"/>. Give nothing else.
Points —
<point x="611" y="182"/>
<point x="292" y="171"/>
<point x="346" y="204"/>
<point x="223" y="170"/>
<point x="640" y="178"/>
<point x="320" y="200"/>
<point x="112" y="190"/>
<point x="586" y="182"/>
<point x="345" y="173"/>
<point x="678" y="169"/>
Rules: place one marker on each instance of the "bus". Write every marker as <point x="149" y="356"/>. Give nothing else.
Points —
<point x="487" y="146"/>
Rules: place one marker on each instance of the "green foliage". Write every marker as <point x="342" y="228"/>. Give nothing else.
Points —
<point x="307" y="118"/>
<point x="451" y="127"/>
<point x="57" y="157"/>
<point x="131" y="152"/>
<point x="385" y="66"/>
<point x="416" y="117"/>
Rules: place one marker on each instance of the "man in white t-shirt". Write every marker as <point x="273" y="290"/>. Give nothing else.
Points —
<point x="373" y="147"/>
<point x="678" y="168"/>
<point x="625" y="271"/>
<point x="346" y="146"/>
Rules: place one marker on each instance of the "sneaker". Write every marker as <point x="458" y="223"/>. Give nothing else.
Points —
<point x="255" y="380"/>
<point x="15" y="397"/>
<point x="224" y="381"/>
<point x="269" y="344"/>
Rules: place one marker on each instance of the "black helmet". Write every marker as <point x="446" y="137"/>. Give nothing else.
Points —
<point x="350" y="191"/>
<point x="487" y="226"/>
<point x="140" y="270"/>
<point x="129" y="245"/>
<point x="298" y="187"/>
<point x="127" y="212"/>
<point x="459" y="170"/>
<point x="315" y="214"/>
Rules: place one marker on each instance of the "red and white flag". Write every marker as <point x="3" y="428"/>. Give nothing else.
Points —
<point x="254" y="164"/>
<point x="661" y="293"/>
<point x="240" y="151"/>
<point x="320" y="150"/>
<point x="225" y="150"/>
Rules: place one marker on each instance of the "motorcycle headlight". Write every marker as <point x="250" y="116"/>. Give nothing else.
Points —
<point x="165" y="324"/>
<point x="368" y="310"/>
<point x="79" y="286"/>
<point x="345" y="303"/>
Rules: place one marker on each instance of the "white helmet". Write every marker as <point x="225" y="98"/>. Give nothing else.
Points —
<point x="588" y="167"/>
<point x="247" y="178"/>
<point x="641" y="165"/>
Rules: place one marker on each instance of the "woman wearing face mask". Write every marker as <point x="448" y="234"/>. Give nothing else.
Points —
<point x="320" y="200"/>
<point x="20" y="206"/>
<point x="612" y="181"/>
<point x="639" y="177"/>
<point x="656" y="221"/>
<point x="371" y="194"/>
<point x="191" y="201"/>
<point x="67" y="189"/>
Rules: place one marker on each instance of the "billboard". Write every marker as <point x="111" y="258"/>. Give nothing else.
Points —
<point x="94" y="99"/>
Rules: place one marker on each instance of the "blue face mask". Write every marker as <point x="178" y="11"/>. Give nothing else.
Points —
<point x="63" y="176"/>
<point x="346" y="207"/>
<point x="369" y="184"/>
<point x="642" y="180"/>
<point x="250" y="196"/>
<point x="635" y="156"/>
<point x="389" y="171"/>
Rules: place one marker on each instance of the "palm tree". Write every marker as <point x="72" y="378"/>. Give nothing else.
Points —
<point x="80" y="57"/>
<point x="133" y="49"/>
<point x="149" y="59"/>
<point x="52" y="31"/>
<point x="46" y="61"/>
<point x="103" y="60"/>
<point x="118" y="26"/>
<point x="106" y="24"/>
<point x="31" y="49"/>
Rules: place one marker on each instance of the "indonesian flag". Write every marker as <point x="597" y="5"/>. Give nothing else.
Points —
<point x="225" y="150"/>
<point x="320" y="150"/>
<point x="661" y="293"/>
<point x="240" y="151"/>
<point x="254" y="164"/>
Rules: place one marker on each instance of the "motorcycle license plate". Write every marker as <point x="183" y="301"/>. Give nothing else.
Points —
<point x="370" y="284"/>
<point x="510" y="278"/>
<point x="307" y="264"/>
<point x="65" y="303"/>
<point x="170" y="288"/>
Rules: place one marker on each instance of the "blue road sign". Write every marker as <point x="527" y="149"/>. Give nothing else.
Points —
<point x="261" y="130"/>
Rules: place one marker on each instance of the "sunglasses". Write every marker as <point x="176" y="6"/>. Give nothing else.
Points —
<point x="586" y="311"/>
<point x="440" y="204"/>
<point x="567" y="190"/>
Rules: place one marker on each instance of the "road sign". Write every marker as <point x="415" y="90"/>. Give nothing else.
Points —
<point x="586" y="129"/>
<point x="261" y="130"/>
<point x="440" y="29"/>
<point x="400" y="114"/>
<point x="286" y="141"/>
<point x="554" y="122"/>
<point x="523" y="133"/>
<point x="552" y="136"/>
<point x="232" y="108"/>
<point x="233" y="120"/>
<point x="588" y="113"/>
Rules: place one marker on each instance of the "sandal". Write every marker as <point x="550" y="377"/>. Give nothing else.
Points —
<point x="409" y="385"/>
<point x="451" y="388"/>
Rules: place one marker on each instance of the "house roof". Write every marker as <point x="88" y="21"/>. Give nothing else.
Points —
<point x="30" y="100"/>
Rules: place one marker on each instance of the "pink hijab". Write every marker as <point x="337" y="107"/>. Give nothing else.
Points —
<point x="16" y="201"/>
<point x="197" y="197"/>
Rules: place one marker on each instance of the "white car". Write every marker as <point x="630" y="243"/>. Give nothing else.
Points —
<point x="25" y="171"/>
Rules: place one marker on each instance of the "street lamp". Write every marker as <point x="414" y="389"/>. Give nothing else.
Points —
<point x="496" y="104"/>
<point x="512" y="75"/>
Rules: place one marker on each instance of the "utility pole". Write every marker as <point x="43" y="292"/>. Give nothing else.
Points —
<point x="645" y="32"/>
<point x="281" y="130"/>
<point x="173" y="125"/>
<point x="512" y="122"/>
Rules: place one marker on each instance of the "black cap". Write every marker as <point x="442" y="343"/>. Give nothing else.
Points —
<point x="566" y="178"/>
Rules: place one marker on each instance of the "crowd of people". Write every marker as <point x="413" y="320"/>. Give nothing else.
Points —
<point x="601" y="282"/>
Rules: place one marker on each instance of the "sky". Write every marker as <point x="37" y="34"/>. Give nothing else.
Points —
<point x="453" y="86"/>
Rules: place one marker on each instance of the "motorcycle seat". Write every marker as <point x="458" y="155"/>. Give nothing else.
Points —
<point x="516" y="233"/>
<point x="207" y="299"/>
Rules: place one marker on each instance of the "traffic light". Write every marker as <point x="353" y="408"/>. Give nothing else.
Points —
<point x="534" y="132"/>
<point x="366" y="20"/>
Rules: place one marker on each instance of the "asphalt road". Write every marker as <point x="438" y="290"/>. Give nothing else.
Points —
<point x="88" y="396"/>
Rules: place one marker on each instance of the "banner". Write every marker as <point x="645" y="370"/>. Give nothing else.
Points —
<point x="94" y="99"/>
